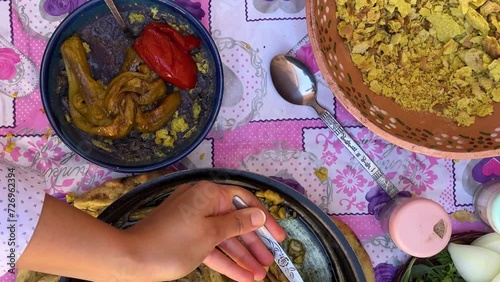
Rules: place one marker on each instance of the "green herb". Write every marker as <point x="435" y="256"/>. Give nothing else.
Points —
<point x="439" y="268"/>
<point x="407" y="275"/>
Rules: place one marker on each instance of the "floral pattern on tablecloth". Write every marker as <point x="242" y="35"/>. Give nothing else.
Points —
<point x="64" y="170"/>
<point x="18" y="75"/>
<point x="245" y="82"/>
<point x="256" y="130"/>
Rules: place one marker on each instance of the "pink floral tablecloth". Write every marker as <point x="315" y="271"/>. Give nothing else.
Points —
<point x="256" y="130"/>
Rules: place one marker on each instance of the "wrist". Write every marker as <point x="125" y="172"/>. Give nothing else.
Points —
<point x="142" y="262"/>
<point x="128" y="266"/>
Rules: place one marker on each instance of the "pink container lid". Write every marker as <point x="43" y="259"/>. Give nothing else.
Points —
<point x="420" y="227"/>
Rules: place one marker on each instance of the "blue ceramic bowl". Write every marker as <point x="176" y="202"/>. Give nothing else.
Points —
<point x="129" y="158"/>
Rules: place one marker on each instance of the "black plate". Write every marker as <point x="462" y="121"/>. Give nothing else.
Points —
<point x="329" y="257"/>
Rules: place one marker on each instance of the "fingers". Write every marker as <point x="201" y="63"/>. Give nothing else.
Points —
<point x="257" y="248"/>
<point x="213" y="199"/>
<point x="224" y="265"/>
<point x="237" y="223"/>
<point x="242" y="256"/>
<point x="252" y="201"/>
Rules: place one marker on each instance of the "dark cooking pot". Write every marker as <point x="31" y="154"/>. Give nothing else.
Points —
<point x="329" y="257"/>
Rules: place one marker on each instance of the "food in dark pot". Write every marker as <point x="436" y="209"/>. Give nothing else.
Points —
<point x="136" y="98"/>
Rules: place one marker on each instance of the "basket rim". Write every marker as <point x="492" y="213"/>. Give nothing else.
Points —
<point x="321" y="61"/>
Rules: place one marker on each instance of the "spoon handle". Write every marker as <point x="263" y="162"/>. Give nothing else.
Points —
<point x="359" y="154"/>
<point x="116" y="14"/>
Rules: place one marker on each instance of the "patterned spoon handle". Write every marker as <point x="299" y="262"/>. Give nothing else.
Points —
<point x="280" y="257"/>
<point x="359" y="154"/>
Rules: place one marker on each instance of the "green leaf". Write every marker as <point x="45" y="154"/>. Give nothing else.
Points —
<point x="420" y="270"/>
<point x="407" y="274"/>
<point x="444" y="257"/>
<point x="439" y="269"/>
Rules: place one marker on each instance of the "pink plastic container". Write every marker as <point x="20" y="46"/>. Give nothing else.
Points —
<point x="418" y="226"/>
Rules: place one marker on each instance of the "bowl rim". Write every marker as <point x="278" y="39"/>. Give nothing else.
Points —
<point x="44" y="79"/>
<point x="311" y="30"/>
<point x="165" y="184"/>
<point x="226" y="176"/>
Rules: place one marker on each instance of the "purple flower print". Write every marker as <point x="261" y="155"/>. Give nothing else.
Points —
<point x="329" y="158"/>
<point x="349" y="181"/>
<point x="61" y="7"/>
<point x="305" y="54"/>
<point x="420" y="175"/>
<point x="44" y="154"/>
<point x="385" y="272"/>
<point x="328" y="140"/>
<point x="377" y="199"/>
<point x="290" y="182"/>
<point x="8" y="60"/>
<point x="194" y="8"/>
<point x="370" y="143"/>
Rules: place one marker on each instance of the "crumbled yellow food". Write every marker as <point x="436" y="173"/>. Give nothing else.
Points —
<point x="201" y="63"/>
<point x="438" y="56"/>
<point x="163" y="137"/>
<point x="70" y="198"/>
<point x="446" y="27"/>
<point x="136" y="17"/>
<point x="494" y="70"/>
<point x="464" y="216"/>
<point x="48" y="133"/>
<point x="9" y="147"/>
<point x="196" y="110"/>
<point x="477" y="3"/>
<point x="282" y="213"/>
<point x="189" y="133"/>
<point x="404" y="8"/>
<point x="202" y="156"/>
<point x="477" y="21"/>
<point x="321" y="173"/>
<point x="272" y="196"/>
<point x="179" y="124"/>
<point x="496" y="94"/>
<point x="489" y="7"/>
<point x="154" y="13"/>
<point x="14" y="95"/>
<point x="86" y="47"/>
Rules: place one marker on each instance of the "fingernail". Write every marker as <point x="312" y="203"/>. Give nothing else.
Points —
<point x="258" y="218"/>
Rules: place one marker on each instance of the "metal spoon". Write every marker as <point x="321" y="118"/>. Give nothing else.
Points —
<point x="117" y="16"/>
<point x="296" y="83"/>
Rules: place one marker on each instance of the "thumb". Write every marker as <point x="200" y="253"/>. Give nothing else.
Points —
<point x="238" y="222"/>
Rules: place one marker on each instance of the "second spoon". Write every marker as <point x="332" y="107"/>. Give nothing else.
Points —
<point x="296" y="83"/>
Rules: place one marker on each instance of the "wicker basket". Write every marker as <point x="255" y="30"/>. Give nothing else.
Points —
<point x="460" y="238"/>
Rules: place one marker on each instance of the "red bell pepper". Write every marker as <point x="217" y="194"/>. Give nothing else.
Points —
<point x="167" y="52"/>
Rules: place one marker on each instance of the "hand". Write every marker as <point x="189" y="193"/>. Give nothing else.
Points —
<point x="199" y="224"/>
